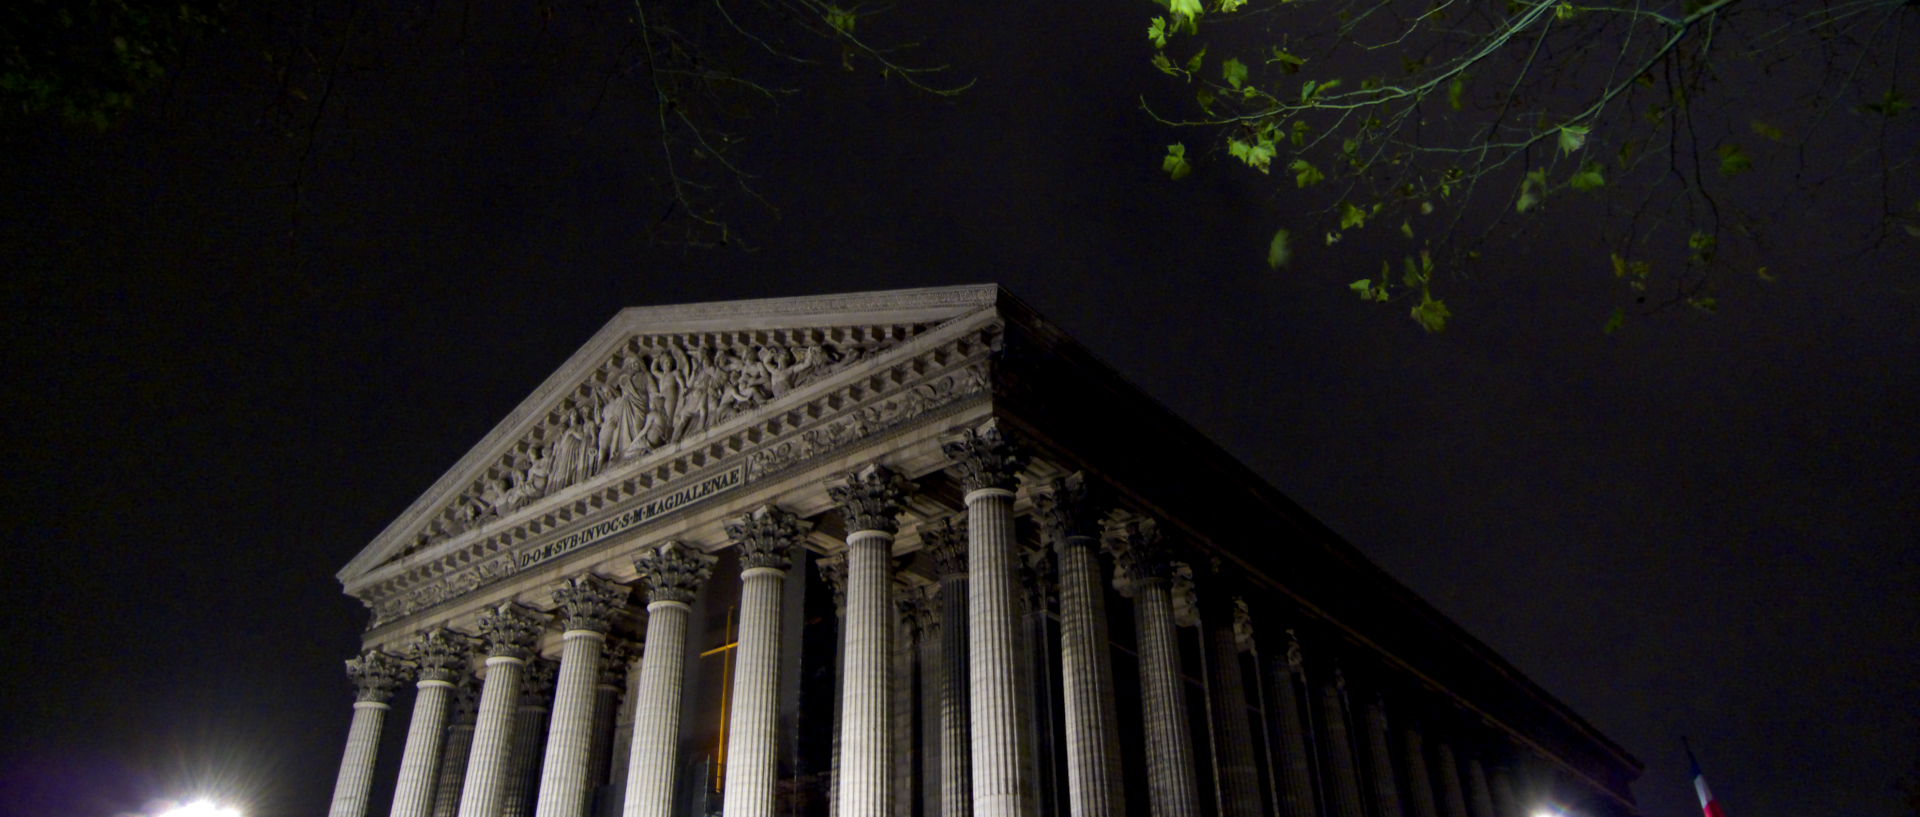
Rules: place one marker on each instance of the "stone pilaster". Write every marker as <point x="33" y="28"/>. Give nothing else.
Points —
<point x="586" y="606"/>
<point x="1292" y="743"/>
<point x="1227" y="702"/>
<point x="1384" y="787"/>
<point x="766" y="538"/>
<point x="988" y="463"/>
<point x="1145" y="566"/>
<point x="1070" y="522"/>
<point x="1420" y="801"/>
<point x="459" y="747"/>
<point x="509" y="633"/>
<point x="375" y="675"/>
<point x="529" y="737"/>
<point x="673" y="574"/>
<point x="441" y="659"/>
<point x="869" y="500"/>
<point x="1446" y="771"/>
<point x="946" y="541"/>
<point x="1342" y="775"/>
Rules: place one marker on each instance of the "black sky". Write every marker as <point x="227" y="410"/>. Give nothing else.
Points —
<point x="1702" y="525"/>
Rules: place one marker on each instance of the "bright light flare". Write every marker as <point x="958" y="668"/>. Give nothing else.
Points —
<point x="201" y="808"/>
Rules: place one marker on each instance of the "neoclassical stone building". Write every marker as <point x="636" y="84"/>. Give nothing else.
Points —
<point x="909" y="554"/>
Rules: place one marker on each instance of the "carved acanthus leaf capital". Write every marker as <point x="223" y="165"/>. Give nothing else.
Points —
<point x="375" y="675"/>
<point x="1186" y="600"/>
<point x="767" y="537"/>
<point x="1296" y="660"/>
<point x="441" y="654"/>
<point x="1140" y="553"/>
<point x="1242" y="626"/>
<point x="466" y="700"/>
<point x="916" y="614"/>
<point x="985" y="457"/>
<point x="674" y="571"/>
<point x="510" y="631"/>
<point x="588" y="602"/>
<point x="946" y="542"/>
<point x="616" y="662"/>
<point x="833" y="570"/>
<point x="536" y="686"/>
<point x="870" y="498"/>
<point x="1039" y="578"/>
<point x="1068" y="512"/>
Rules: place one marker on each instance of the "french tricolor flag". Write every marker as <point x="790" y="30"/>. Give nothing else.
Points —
<point x="1708" y="806"/>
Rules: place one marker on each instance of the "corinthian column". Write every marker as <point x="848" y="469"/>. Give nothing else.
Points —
<point x="587" y="604"/>
<point x="1290" y="727"/>
<point x="1342" y="777"/>
<point x="1420" y="802"/>
<point x="1479" y="794"/>
<point x="1232" y="735"/>
<point x="1386" y="791"/>
<point x="674" y="573"/>
<point x="509" y="632"/>
<point x="374" y="674"/>
<point x="614" y="664"/>
<point x="1146" y="569"/>
<point x="441" y="658"/>
<point x="988" y="464"/>
<point x="766" y="539"/>
<point x="529" y="737"/>
<point x="459" y="746"/>
<point x="947" y="543"/>
<point x="1071" y="524"/>
<point x="869" y="499"/>
<point x="1453" y="800"/>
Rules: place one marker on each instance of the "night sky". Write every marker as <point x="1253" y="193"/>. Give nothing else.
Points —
<point x="219" y="390"/>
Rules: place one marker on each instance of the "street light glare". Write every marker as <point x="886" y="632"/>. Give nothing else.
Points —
<point x="201" y="808"/>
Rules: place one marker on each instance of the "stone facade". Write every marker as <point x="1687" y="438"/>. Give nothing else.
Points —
<point x="909" y="554"/>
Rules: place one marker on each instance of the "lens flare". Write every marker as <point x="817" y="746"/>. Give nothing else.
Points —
<point x="201" y="808"/>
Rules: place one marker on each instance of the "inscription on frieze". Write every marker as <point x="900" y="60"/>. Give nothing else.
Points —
<point x="634" y="517"/>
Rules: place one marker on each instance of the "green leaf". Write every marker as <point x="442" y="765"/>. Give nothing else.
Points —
<point x="1157" y="32"/>
<point x="1432" y="315"/>
<point x="1564" y="12"/>
<point x="1288" y="63"/>
<point x="1363" y="286"/>
<point x="1406" y="228"/>
<point x="1305" y="174"/>
<point x="1230" y="6"/>
<point x="1768" y="131"/>
<point x="1588" y="178"/>
<point x="1165" y="65"/>
<point x="1532" y="188"/>
<point x="1257" y="154"/>
<point x="1455" y="90"/>
<point x="1890" y="104"/>
<point x="1235" y="72"/>
<point x="1205" y="98"/>
<point x="1300" y="131"/>
<point x="1189" y="8"/>
<point x="841" y="19"/>
<point x="1278" y="251"/>
<point x="1351" y="216"/>
<point x="1733" y="160"/>
<point x="1194" y="63"/>
<point x="1175" y="163"/>
<point x="1614" y="321"/>
<point x="1573" y="137"/>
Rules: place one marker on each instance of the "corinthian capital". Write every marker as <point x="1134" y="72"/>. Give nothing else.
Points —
<point x="536" y="687"/>
<point x="440" y="654"/>
<point x="946" y="542"/>
<point x="767" y="537"/>
<point x="1140" y="553"/>
<point x="674" y="571"/>
<point x="375" y="675"/>
<point x="870" y="498"/>
<point x="613" y="668"/>
<point x="510" y="631"/>
<point x="1068" y="512"/>
<point x="984" y="457"/>
<point x="833" y="570"/>
<point x="588" y="602"/>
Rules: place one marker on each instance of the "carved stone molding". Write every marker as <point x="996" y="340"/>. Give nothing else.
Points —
<point x="870" y="498"/>
<point x="588" y="602"/>
<point x="536" y="686"/>
<point x="1068" y="511"/>
<point x="674" y="571"/>
<point x="946" y="542"/>
<point x="441" y="654"/>
<point x="985" y="457"/>
<point x="375" y="675"/>
<point x="767" y="537"/>
<point x="510" y="631"/>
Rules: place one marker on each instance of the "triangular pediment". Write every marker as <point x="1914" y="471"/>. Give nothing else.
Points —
<point x="652" y="382"/>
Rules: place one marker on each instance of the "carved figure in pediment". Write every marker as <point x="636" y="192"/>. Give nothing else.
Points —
<point x="623" y="411"/>
<point x="782" y="369"/>
<point x="567" y="459"/>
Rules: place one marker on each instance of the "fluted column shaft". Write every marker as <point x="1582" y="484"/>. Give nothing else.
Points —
<point x="866" y="735"/>
<point x="1343" y="778"/>
<point x="413" y="794"/>
<point x="656" y="722"/>
<point x="1420" y="802"/>
<point x="563" y="777"/>
<point x="752" y="731"/>
<point x="1233" y="738"/>
<point x="1170" y="774"/>
<point x="1479" y="796"/>
<point x="529" y="733"/>
<point x="486" y="786"/>
<point x="606" y="702"/>
<point x="1386" y="790"/>
<point x="1295" y="765"/>
<point x="453" y="770"/>
<point x="956" y="721"/>
<point x="1094" y="787"/>
<point x="1453" y="800"/>
<point x="356" y="766"/>
<point x="1000" y="750"/>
